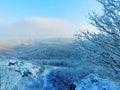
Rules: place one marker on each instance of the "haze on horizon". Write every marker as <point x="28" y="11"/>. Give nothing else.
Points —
<point x="36" y="19"/>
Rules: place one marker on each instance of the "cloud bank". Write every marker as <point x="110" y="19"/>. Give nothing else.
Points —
<point x="36" y="28"/>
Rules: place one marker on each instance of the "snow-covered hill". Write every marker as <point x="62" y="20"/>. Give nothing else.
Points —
<point x="23" y="75"/>
<point x="43" y="65"/>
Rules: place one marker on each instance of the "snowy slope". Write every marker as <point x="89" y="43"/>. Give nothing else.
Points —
<point x="94" y="82"/>
<point x="19" y="75"/>
<point x="14" y="72"/>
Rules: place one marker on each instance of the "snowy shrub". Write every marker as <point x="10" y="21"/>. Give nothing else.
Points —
<point x="61" y="79"/>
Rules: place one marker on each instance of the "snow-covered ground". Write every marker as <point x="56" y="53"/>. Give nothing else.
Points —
<point x="94" y="82"/>
<point x="22" y="75"/>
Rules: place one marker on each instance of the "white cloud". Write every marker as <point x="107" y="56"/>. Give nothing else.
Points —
<point x="36" y="27"/>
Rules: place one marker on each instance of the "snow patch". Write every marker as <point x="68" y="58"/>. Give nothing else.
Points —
<point x="94" y="82"/>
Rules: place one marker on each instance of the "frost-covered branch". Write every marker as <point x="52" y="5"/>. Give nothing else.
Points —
<point x="108" y="38"/>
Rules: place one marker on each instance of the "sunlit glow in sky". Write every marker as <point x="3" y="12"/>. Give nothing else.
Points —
<point x="36" y="19"/>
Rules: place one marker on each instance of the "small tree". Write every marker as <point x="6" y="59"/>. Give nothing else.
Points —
<point x="108" y="38"/>
<point x="61" y="79"/>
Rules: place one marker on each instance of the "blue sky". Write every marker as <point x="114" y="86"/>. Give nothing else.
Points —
<point x="44" y="18"/>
